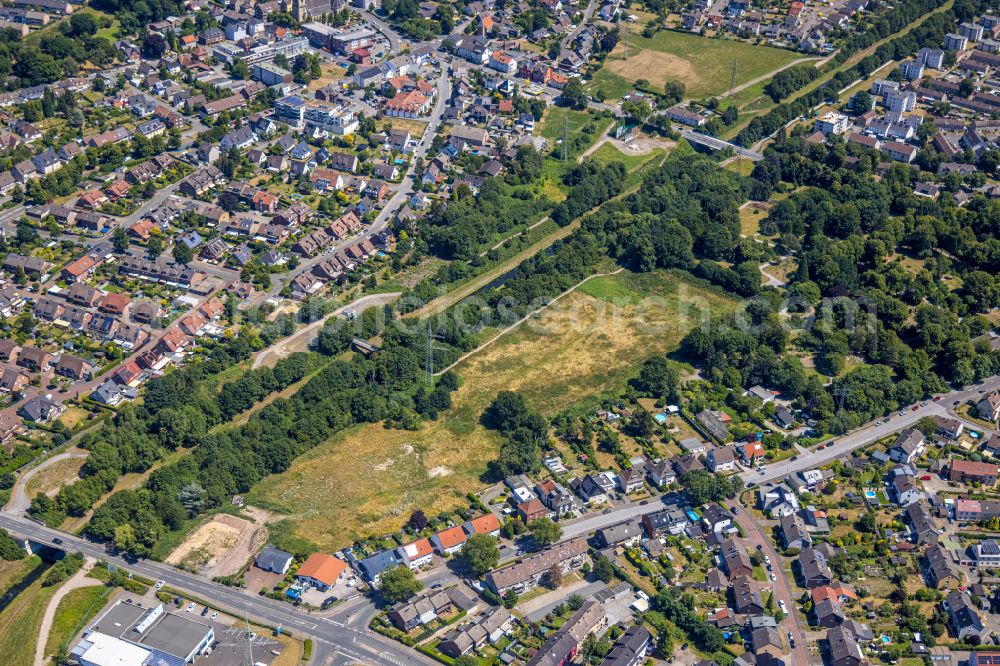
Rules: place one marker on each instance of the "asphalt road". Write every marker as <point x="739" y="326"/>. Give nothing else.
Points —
<point x="755" y="537"/>
<point x="843" y="445"/>
<point x="350" y="643"/>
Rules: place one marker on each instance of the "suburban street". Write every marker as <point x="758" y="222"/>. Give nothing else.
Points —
<point x="843" y="445"/>
<point x="334" y="639"/>
<point x="759" y="540"/>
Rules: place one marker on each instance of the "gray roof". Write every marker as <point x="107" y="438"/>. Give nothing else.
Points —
<point x="272" y="559"/>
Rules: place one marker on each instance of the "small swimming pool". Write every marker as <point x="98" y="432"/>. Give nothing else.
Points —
<point x="660" y="418"/>
<point x="870" y="494"/>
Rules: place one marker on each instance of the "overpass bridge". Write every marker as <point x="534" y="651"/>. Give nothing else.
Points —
<point x="712" y="143"/>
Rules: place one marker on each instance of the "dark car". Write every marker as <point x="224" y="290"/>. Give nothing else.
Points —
<point x="329" y="601"/>
<point x="57" y="540"/>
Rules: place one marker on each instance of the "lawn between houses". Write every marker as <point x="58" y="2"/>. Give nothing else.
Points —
<point x="369" y="479"/>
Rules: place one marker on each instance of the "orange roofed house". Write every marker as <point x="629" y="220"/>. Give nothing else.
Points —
<point x="417" y="553"/>
<point x="321" y="571"/>
<point x="488" y="524"/>
<point x="449" y="541"/>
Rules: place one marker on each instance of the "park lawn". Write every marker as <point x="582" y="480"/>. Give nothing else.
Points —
<point x="368" y="479"/>
<point x="750" y="218"/>
<point x="611" y="85"/>
<point x="608" y="153"/>
<point x="703" y="65"/>
<point x="54" y="476"/>
<point x="78" y="607"/>
<point x="20" y="622"/>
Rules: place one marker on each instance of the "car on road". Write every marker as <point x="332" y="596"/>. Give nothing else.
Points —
<point x="781" y="605"/>
<point x="936" y="398"/>
<point x="767" y="559"/>
<point x="760" y="547"/>
<point x="606" y="511"/>
<point x="915" y="408"/>
<point x="57" y="541"/>
<point x="773" y="577"/>
<point x="160" y="584"/>
<point x="735" y="510"/>
<point x="925" y="477"/>
<point x="215" y="616"/>
<point x="436" y="586"/>
<point x="190" y="607"/>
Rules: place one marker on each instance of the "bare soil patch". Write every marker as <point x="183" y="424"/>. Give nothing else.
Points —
<point x="223" y="544"/>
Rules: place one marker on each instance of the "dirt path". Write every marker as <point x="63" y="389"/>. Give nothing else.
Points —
<point x="19" y="500"/>
<point x="770" y="75"/>
<point x="75" y="582"/>
<point x="299" y="341"/>
<point x="523" y="319"/>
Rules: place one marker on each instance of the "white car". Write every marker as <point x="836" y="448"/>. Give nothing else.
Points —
<point x="190" y="607"/>
<point x="781" y="605"/>
<point x="160" y="584"/>
<point x="773" y="577"/>
<point x="215" y="616"/>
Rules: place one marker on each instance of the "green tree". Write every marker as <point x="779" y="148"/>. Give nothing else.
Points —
<point x="182" y="253"/>
<point x="573" y="94"/>
<point x="10" y="549"/>
<point x="544" y="532"/>
<point x="481" y="553"/>
<point x="119" y="240"/>
<point x="125" y="537"/>
<point x="399" y="584"/>
<point x="603" y="569"/>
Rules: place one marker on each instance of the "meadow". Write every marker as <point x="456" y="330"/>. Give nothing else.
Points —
<point x="369" y="479"/>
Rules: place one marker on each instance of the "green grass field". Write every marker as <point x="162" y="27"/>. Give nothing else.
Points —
<point x="20" y="622"/>
<point x="705" y="65"/>
<point x="608" y="153"/>
<point x="368" y="480"/>
<point x="74" y="611"/>
<point x="612" y="86"/>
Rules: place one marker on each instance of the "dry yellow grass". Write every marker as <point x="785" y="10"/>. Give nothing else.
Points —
<point x="369" y="479"/>
<point x="331" y="72"/>
<point x="73" y="416"/>
<point x="414" y="127"/>
<point x="54" y="476"/>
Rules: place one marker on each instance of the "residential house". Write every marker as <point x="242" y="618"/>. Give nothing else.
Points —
<point x="273" y="560"/>
<point x="40" y="409"/>
<point x="963" y="617"/>
<point x="522" y="576"/>
<point x="562" y="646"/>
<point x="416" y="554"/>
<point x="793" y="532"/>
<point x="721" y="459"/>
<point x="321" y="571"/>
<point x="941" y="570"/>
<point x="907" y="447"/>
<point x="735" y="559"/>
<point x="970" y="471"/>
<point x="623" y="534"/>
<point x="843" y="648"/>
<point x="989" y="407"/>
<point x="449" y="541"/>
<point x="72" y="367"/>
<point x="813" y="568"/>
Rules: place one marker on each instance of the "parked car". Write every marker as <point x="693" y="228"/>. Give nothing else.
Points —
<point x="160" y="584"/>
<point x="190" y="607"/>
<point x="925" y="477"/>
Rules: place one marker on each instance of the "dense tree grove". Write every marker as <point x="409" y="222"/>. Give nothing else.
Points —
<point x="592" y="185"/>
<point x="231" y="460"/>
<point x="915" y="333"/>
<point x="463" y="229"/>
<point x="525" y="433"/>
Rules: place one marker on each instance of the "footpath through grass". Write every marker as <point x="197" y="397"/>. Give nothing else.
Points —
<point x="74" y="611"/>
<point x="369" y="479"/>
